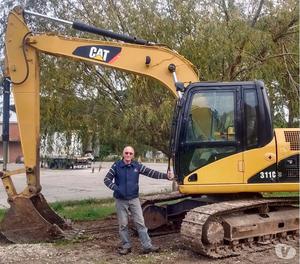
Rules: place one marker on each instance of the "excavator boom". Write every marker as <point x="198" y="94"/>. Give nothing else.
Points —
<point x="33" y="219"/>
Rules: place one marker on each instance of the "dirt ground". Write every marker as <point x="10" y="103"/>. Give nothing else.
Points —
<point x="99" y="243"/>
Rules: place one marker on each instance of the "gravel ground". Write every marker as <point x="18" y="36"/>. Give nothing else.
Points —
<point x="99" y="246"/>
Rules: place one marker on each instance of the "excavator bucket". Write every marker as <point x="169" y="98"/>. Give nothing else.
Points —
<point x="32" y="220"/>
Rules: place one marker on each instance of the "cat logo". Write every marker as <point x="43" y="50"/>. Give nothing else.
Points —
<point x="106" y="54"/>
<point x="98" y="53"/>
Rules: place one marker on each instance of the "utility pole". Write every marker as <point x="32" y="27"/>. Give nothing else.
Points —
<point x="5" y="121"/>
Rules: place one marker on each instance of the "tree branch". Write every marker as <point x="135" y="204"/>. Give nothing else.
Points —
<point x="225" y="9"/>
<point x="261" y="61"/>
<point x="257" y="13"/>
<point x="285" y="29"/>
<point x="293" y="82"/>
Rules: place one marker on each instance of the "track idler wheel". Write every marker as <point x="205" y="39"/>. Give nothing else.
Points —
<point x="213" y="233"/>
<point x="32" y="220"/>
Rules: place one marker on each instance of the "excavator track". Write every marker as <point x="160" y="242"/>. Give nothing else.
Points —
<point x="230" y="228"/>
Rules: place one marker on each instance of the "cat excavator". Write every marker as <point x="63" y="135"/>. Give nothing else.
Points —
<point x="224" y="150"/>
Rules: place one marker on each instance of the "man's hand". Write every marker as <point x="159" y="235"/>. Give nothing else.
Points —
<point x="170" y="175"/>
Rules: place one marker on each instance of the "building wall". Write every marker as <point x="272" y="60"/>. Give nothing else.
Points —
<point x="14" y="149"/>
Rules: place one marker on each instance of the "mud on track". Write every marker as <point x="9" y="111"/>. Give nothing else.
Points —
<point x="99" y="243"/>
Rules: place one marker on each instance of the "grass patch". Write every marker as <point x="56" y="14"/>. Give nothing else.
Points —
<point x="281" y="194"/>
<point x="2" y="212"/>
<point x="84" y="210"/>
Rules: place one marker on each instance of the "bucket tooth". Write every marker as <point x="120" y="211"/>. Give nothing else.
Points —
<point x="31" y="220"/>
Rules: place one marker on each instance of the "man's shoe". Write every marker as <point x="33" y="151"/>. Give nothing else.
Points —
<point x="124" y="251"/>
<point x="151" y="249"/>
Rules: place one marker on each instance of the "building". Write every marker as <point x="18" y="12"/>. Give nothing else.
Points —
<point x="14" y="149"/>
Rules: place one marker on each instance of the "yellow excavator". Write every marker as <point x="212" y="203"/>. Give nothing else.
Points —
<point x="225" y="152"/>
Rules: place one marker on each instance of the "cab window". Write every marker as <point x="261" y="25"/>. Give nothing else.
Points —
<point x="211" y="117"/>
<point x="251" y="118"/>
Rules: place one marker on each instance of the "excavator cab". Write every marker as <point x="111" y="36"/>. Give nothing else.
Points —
<point x="210" y="127"/>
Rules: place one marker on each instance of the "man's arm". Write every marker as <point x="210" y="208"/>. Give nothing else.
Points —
<point x="152" y="173"/>
<point x="108" y="179"/>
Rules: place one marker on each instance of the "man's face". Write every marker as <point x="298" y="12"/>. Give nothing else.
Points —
<point x="128" y="154"/>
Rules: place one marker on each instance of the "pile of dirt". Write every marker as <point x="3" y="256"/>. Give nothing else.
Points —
<point x="99" y="244"/>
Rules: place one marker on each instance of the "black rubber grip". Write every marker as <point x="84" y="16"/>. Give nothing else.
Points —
<point x="106" y="33"/>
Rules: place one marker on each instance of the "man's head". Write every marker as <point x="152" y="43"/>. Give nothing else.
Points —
<point x="128" y="154"/>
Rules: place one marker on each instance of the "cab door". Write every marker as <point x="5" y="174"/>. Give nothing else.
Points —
<point x="210" y="141"/>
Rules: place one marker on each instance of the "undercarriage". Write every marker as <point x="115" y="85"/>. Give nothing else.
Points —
<point x="220" y="227"/>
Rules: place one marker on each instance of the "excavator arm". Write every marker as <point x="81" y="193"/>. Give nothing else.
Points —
<point x="29" y="217"/>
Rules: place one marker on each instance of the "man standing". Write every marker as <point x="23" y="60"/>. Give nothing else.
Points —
<point x="123" y="179"/>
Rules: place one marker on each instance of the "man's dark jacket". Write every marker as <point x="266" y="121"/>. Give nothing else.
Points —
<point x="123" y="178"/>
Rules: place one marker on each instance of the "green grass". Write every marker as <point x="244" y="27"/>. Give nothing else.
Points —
<point x="84" y="210"/>
<point x="90" y="209"/>
<point x="281" y="194"/>
<point x="2" y="212"/>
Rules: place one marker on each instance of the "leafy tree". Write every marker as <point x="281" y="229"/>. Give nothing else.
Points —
<point x="225" y="39"/>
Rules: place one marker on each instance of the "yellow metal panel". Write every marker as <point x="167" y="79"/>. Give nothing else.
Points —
<point x="27" y="101"/>
<point x="225" y="170"/>
<point x="238" y="188"/>
<point x="258" y="159"/>
<point x="16" y="63"/>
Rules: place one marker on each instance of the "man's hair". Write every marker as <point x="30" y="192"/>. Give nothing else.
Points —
<point x="128" y="147"/>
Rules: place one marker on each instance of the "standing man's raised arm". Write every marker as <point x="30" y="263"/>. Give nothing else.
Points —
<point x="152" y="173"/>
